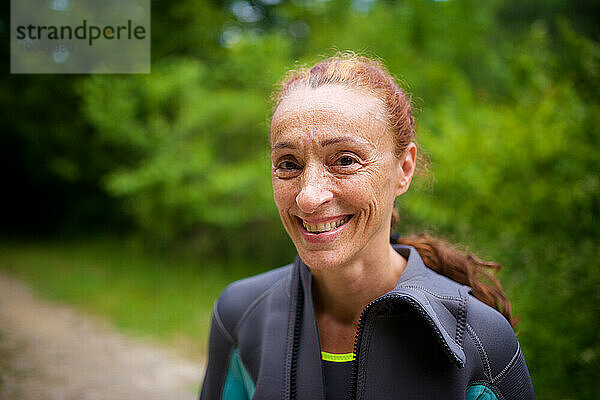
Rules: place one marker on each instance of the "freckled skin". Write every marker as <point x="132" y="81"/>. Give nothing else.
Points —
<point x="361" y="177"/>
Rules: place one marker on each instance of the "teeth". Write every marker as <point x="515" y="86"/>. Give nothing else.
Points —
<point x="320" y="228"/>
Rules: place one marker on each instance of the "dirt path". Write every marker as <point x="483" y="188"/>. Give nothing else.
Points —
<point x="51" y="352"/>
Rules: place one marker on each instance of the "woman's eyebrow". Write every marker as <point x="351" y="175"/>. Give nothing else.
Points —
<point x="340" y="139"/>
<point x="283" y="145"/>
<point x="325" y="143"/>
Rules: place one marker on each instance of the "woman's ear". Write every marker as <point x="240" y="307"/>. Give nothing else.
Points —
<point x="406" y="166"/>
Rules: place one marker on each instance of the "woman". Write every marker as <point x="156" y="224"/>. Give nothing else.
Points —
<point x="356" y="316"/>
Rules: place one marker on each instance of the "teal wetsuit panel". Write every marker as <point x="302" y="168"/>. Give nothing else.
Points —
<point x="238" y="383"/>
<point x="480" y="391"/>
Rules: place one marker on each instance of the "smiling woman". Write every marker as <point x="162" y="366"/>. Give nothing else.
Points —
<point x="338" y="168"/>
<point x="358" y="315"/>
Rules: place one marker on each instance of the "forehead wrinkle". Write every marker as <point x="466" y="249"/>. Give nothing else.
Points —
<point x="338" y="110"/>
<point x="320" y="118"/>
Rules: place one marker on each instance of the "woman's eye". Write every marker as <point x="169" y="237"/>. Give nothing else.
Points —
<point x="346" y="161"/>
<point x="287" y="169"/>
<point x="288" y="166"/>
<point x="345" y="164"/>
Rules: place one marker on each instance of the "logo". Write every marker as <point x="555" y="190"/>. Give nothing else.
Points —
<point x="80" y="36"/>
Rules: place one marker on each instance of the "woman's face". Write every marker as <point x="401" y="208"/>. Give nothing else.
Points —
<point x="335" y="174"/>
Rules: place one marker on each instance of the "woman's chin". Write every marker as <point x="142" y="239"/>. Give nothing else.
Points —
<point x="325" y="250"/>
<point x="324" y="260"/>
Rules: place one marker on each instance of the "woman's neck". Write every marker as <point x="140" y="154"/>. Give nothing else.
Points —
<point x="340" y="294"/>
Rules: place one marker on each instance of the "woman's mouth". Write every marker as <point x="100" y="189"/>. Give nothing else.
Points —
<point x="323" y="227"/>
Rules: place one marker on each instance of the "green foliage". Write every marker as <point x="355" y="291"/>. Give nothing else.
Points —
<point x="197" y="157"/>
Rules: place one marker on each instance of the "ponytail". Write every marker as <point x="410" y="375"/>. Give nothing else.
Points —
<point x="464" y="268"/>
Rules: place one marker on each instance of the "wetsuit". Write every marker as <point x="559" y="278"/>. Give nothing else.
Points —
<point x="428" y="338"/>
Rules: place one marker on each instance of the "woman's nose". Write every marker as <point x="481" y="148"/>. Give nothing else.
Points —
<point x="312" y="196"/>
